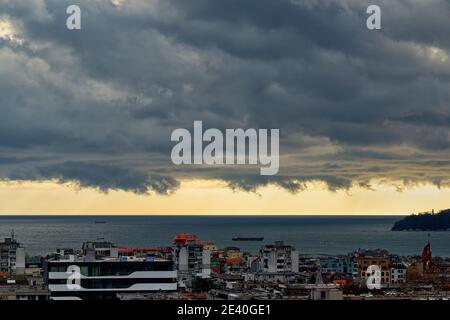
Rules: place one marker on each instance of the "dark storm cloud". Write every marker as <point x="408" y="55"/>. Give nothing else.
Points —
<point x="252" y="183"/>
<point x="103" y="177"/>
<point x="289" y="183"/>
<point x="352" y="104"/>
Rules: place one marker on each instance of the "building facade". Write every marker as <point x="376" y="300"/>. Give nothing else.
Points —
<point x="278" y="258"/>
<point x="12" y="256"/>
<point x="105" y="279"/>
<point x="382" y="262"/>
<point x="340" y="265"/>
<point x="191" y="258"/>
<point x="398" y="270"/>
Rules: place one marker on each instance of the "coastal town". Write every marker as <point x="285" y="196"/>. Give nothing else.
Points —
<point x="192" y="269"/>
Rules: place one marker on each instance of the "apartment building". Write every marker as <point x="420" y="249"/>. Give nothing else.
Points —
<point x="12" y="256"/>
<point x="278" y="257"/>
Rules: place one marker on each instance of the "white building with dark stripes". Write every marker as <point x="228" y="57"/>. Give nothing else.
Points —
<point x="77" y="279"/>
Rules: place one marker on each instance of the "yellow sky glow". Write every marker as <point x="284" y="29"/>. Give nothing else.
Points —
<point x="213" y="197"/>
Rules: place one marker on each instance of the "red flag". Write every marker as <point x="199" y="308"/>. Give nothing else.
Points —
<point x="426" y="254"/>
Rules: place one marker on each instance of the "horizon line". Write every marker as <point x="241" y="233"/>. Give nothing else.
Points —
<point x="200" y="215"/>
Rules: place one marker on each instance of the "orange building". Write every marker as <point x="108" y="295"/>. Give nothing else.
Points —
<point x="211" y="246"/>
<point x="382" y="262"/>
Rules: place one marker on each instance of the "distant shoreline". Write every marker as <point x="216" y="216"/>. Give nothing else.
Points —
<point x="424" y="222"/>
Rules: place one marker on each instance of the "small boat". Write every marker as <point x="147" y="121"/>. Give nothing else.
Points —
<point x="248" y="239"/>
<point x="99" y="221"/>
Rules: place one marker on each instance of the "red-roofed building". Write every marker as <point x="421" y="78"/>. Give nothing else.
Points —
<point x="185" y="238"/>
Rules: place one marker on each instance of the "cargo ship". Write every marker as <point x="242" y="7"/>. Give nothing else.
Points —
<point x="248" y="239"/>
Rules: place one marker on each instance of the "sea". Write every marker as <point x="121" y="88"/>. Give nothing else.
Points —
<point x="310" y="235"/>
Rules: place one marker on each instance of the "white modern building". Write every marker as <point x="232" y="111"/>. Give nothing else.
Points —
<point x="98" y="272"/>
<point x="104" y="279"/>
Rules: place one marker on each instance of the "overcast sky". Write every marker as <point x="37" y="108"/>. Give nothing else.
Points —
<point x="96" y="107"/>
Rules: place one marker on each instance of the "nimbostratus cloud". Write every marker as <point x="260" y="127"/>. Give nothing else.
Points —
<point x="97" y="106"/>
